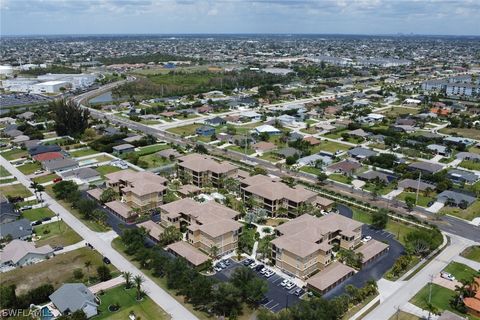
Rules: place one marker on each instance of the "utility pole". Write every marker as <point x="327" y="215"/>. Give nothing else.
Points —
<point x="418" y="187"/>
<point x="430" y="297"/>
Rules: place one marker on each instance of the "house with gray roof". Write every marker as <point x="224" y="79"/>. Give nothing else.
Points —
<point x="18" y="229"/>
<point x="410" y="184"/>
<point x="72" y="297"/>
<point x="288" y="152"/>
<point x="459" y="141"/>
<point x="123" y="148"/>
<point x="84" y="175"/>
<point x="376" y="175"/>
<point x="56" y="165"/>
<point x="468" y="156"/>
<point x="311" y="160"/>
<point x="361" y="153"/>
<point x="39" y="149"/>
<point x="455" y="198"/>
<point x="8" y="213"/>
<point x="462" y="176"/>
<point x="439" y="149"/>
<point x="425" y="167"/>
<point x="21" y="253"/>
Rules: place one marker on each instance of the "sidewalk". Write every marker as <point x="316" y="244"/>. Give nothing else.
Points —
<point x="413" y="309"/>
<point x="107" y="284"/>
<point x="472" y="264"/>
<point x="71" y="247"/>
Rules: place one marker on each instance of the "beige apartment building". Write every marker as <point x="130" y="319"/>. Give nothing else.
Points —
<point x="202" y="170"/>
<point x="208" y="224"/>
<point x="304" y="244"/>
<point x="272" y="195"/>
<point x="143" y="190"/>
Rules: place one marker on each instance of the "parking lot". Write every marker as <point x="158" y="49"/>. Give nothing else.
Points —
<point x="277" y="297"/>
<point x="19" y="99"/>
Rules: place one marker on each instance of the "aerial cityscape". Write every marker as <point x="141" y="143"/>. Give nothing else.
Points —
<point x="270" y="160"/>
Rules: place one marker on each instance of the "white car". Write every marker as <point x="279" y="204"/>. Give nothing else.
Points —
<point x="269" y="273"/>
<point x="290" y="286"/>
<point x="366" y="238"/>
<point x="264" y="270"/>
<point x="217" y="269"/>
<point x="284" y="283"/>
<point x="448" y="276"/>
<point x="253" y="265"/>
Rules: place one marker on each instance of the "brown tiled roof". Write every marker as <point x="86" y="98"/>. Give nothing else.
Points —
<point x="371" y="249"/>
<point x="189" y="252"/>
<point x="264" y="146"/>
<point x="188" y="189"/>
<point x="200" y="163"/>
<point x="312" y="140"/>
<point x="153" y="229"/>
<point x="273" y="189"/>
<point x="139" y="183"/>
<point x="330" y="275"/>
<point x="121" y="208"/>
<point x="95" y="193"/>
<point x="345" y="166"/>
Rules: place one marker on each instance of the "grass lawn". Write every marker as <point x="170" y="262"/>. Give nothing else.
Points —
<point x="353" y="310"/>
<point x="470" y="164"/>
<point x="145" y="309"/>
<point x="152" y="161"/>
<point x="241" y="149"/>
<point x="335" y="134"/>
<point x="440" y="298"/>
<point x="37" y="214"/>
<point x="310" y="130"/>
<point x="8" y="180"/>
<point x="93" y="225"/>
<point x="394" y="112"/>
<point x="422" y="200"/>
<point x="83" y="152"/>
<point x="471" y="212"/>
<point x="56" y="234"/>
<point x="270" y="156"/>
<point x="472" y="253"/>
<point x="15" y="190"/>
<point x="474" y="150"/>
<point x="401" y="315"/>
<point x="101" y="158"/>
<point x="55" y="271"/>
<point x="460" y="271"/>
<point x="330" y="146"/>
<point x="152" y="149"/>
<point x="311" y="170"/>
<point x="29" y="168"/>
<point x="471" y="133"/>
<point x="106" y="169"/>
<point x="4" y="172"/>
<point x="187" y="130"/>
<point x="14" y="154"/>
<point x="383" y="191"/>
<point x="340" y="178"/>
<point x="45" y="178"/>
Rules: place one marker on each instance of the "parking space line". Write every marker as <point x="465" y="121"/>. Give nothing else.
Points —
<point x="265" y="305"/>
<point x="273" y="306"/>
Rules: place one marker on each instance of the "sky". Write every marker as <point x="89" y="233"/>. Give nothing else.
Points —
<point x="43" y="17"/>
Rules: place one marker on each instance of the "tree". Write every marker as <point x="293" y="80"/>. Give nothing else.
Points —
<point x="64" y="189"/>
<point x="258" y="170"/>
<point x="423" y="241"/>
<point x="87" y="265"/>
<point x="8" y="297"/>
<point x="100" y="216"/>
<point x="89" y="134"/>
<point x="128" y="279"/>
<point x="138" y="280"/>
<point x="255" y="290"/>
<point x="70" y="120"/>
<point x="103" y="273"/>
<point x="200" y="291"/>
<point x="214" y="251"/>
<point x="410" y="202"/>
<point x="228" y="300"/>
<point x="321" y="177"/>
<point x="108" y="195"/>
<point x="133" y="239"/>
<point x="86" y="208"/>
<point x="78" y="274"/>
<point x="380" y="218"/>
<point x="170" y="235"/>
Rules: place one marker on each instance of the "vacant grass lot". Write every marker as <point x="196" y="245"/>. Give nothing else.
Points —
<point x="4" y="172"/>
<point x="330" y="146"/>
<point x="151" y="149"/>
<point x="463" y="132"/>
<point x="311" y="170"/>
<point x="152" y="161"/>
<point x="56" y="234"/>
<point x="460" y="271"/>
<point x="422" y="199"/>
<point x="394" y="112"/>
<point x="340" y="178"/>
<point x="29" y="168"/>
<point x="37" y="214"/>
<point x="8" y="180"/>
<point x="241" y="149"/>
<point x="45" y="178"/>
<point x="15" y="190"/>
<point x="106" y="169"/>
<point x="56" y="270"/>
<point x="83" y="152"/>
<point x="145" y="309"/>
<point x="383" y="190"/>
<point x="472" y="253"/>
<point x="471" y="212"/>
<point x="470" y="164"/>
<point x="187" y="130"/>
<point x="440" y="298"/>
<point x="270" y="156"/>
<point x="14" y="154"/>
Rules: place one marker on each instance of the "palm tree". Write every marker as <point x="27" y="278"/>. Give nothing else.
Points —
<point x="138" y="280"/>
<point x="214" y="251"/>
<point x="128" y="279"/>
<point x="34" y="185"/>
<point x="87" y="265"/>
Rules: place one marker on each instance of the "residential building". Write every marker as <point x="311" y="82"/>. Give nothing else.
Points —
<point x="39" y="149"/>
<point x="304" y="244"/>
<point x="360" y="153"/>
<point x="274" y="196"/>
<point x="266" y="128"/>
<point x="143" y="190"/>
<point x="371" y="251"/>
<point x="192" y="255"/>
<point x="413" y="185"/>
<point x="20" y="253"/>
<point x="8" y="213"/>
<point x="47" y="156"/>
<point x="121" y="210"/>
<point x="462" y="176"/>
<point x="345" y="167"/>
<point x="473" y="303"/>
<point x="18" y="229"/>
<point x="439" y="149"/>
<point x="425" y="167"/>
<point x="123" y="148"/>
<point x="57" y="165"/>
<point x="376" y="175"/>
<point x="202" y="170"/>
<point x="330" y="277"/>
<point x="81" y="175"/>
<point x="454" y="198"/>
<point x="154" y="230"/>
<point x="209" y="224"/>
<point x="217" y="121"/>
<point x="205" y="131"/>
<point x="71" y="297"/>
<point x="264" y="146"/>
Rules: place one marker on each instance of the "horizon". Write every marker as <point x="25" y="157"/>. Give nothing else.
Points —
<point x="339" y="17"/>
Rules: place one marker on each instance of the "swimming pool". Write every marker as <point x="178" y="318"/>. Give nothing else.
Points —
<point x="46" y="314"/>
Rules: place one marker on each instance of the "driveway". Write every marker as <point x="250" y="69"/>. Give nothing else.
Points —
<point x="376" y="269"/>
<point x="276" y="298"/>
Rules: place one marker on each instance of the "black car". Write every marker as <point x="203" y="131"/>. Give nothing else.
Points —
<point x="46" y="219"/>
<point x="37" y="223"/>
<point x="57" y="248"/>
<point x="247" y="262"/>
<point x="106" y="260"/>
<point x="259" y="267"/>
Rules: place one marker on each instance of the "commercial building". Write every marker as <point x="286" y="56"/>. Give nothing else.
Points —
<point x="304" y="244"/>
<point x="50" y="87"/>
<point x="202" y="170"/>
<point x="143" y="190"/>
<point x="208" y="224"/>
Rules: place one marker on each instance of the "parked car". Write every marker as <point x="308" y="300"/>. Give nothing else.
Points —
<point x="226" y="262"/>
<point x="269" y="273"/>
<point x="284" y="282"/>
<point x="366" y="238"/>
<point x="448" y="276"/>
<point x="217" y="269"/>
<point x="106" y="260"/>
<point x="26" y="208"/>
<point x="57" y="248"/>
<point x="290" y="286"/>
<point x="253" y="265"/>
<point x="263" y="271"/>
<point x="36" y="223"/>
<point x="298" y="292"/>
<point x="57" y="180"/>
<point x="46" y="219"/>
<point x="259" y="267"/>
<point x="221" y="265"/>
<point x="247" y="262"/>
